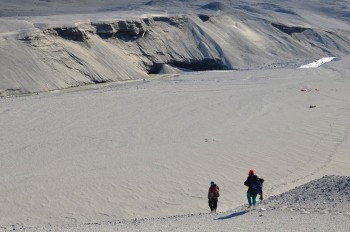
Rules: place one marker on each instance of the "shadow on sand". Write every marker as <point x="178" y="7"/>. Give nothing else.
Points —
<point x="233" y="215"/>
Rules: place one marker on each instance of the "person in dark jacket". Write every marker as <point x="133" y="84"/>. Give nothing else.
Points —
<point x="213" y="195"/>
<point x="252" y="183"/>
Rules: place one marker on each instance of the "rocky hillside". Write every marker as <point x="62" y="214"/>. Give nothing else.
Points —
<point x="330" y="194"/>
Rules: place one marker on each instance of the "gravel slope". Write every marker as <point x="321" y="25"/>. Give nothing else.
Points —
<point x="332" y="192"/>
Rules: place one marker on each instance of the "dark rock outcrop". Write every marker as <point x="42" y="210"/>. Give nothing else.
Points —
<point x="71" y="33"/>
<point x="289" y="29"/>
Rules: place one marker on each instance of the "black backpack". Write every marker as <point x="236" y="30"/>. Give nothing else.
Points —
<point x="259" y="185"/>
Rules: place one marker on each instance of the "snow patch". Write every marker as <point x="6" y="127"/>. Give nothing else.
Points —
<point x="318" y="63"/>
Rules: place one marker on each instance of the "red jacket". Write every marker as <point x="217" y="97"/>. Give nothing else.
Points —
<point x="213" y="192"/>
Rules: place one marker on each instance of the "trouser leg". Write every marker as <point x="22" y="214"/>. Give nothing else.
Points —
<point x="254" y="199"/>
<point x="215" y="204"/>
<point x="249" y="198"/>
<point x="210" y="202"/>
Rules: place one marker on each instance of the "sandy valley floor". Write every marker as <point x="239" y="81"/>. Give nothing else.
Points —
<point x="150" y="148"/>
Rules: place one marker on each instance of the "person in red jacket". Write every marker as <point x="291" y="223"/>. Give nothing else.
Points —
<point x="213" y="195"/>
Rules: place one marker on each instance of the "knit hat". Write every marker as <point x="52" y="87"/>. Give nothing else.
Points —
<point x="251" y="172"/>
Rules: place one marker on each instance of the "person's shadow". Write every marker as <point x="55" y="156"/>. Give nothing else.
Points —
<point x="233" y="215"/>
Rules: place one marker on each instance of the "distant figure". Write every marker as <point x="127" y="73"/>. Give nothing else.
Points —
<point x="213" y="195"/>
<point x="254" y="184"/>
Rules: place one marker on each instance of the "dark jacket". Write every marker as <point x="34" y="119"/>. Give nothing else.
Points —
<point x="251" y="183"/>
<point x="213" y="192"/>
